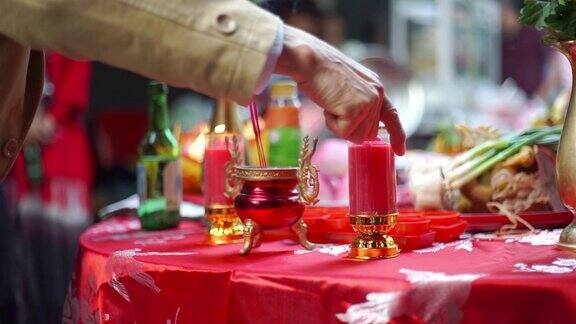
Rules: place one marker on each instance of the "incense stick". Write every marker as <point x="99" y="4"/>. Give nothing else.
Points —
<point x="256" y="129"/>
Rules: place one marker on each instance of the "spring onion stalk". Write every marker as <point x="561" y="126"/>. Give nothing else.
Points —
<point x="477" y="150"/>
<point x="485" y="158"/>
<point x="461" y="170"/>
<point x="552" y="139"/>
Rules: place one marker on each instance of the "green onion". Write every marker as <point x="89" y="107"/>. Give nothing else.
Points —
<point x="474" y="162"/>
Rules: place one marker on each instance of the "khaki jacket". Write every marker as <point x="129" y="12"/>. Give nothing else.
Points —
<point x="216" y="47"/>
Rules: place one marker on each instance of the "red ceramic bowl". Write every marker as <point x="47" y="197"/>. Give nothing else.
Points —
<point x="413" y="242"/>
<point x="331" y="237"/>
<point x="411" y="225"/>
<point x="336" y="224"/>
<point x="315" y="223"/>
<point x="448" y="233"/>
<point x="326" y="211"/>
<point x="442" y="217"/>
<point x="407" y="210"/>
<point x="327" y="219"/>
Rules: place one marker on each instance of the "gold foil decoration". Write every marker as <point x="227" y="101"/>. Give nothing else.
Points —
<point x="232" y="185"/>
<point x="308" y="184"/>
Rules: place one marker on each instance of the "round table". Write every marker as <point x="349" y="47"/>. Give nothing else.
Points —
<point x="124" y="275"/>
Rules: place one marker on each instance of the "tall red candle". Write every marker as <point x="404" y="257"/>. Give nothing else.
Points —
<point x="216" y="155"/>
<point x="372" y="175"/>
<point x="215" y="159"/>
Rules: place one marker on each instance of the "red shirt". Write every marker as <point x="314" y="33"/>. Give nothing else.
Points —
<point x="68" y="156"/>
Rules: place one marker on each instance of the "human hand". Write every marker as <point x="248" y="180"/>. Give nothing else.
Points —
<point x="351" y="95"/>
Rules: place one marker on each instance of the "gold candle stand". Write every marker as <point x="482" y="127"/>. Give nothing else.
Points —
<point x="372" y="241"/>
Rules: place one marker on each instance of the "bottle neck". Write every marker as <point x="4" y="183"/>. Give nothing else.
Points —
<point x="225" y="118"/>
<point x="158" y="113"/>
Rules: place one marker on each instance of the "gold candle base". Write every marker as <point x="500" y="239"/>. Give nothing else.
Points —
<point x="224" y="226"/>
<point x="372" y="241"/>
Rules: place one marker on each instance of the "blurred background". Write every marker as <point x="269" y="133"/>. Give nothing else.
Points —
<point x="442" y="62"/>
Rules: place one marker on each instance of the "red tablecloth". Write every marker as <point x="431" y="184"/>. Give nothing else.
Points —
<point x="124" y="275"/>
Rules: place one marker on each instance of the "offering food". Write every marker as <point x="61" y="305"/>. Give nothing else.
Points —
<point x="455" y="139"/>
<point x="507" y="175"/>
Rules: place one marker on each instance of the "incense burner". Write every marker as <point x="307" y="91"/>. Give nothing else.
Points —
<point x="269" y="198"/>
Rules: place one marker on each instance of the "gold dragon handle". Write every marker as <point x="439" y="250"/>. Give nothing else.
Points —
<point x="232" y="185"/>
<point x="308" y="184"/>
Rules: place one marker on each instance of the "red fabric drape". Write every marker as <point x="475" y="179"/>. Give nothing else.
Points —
<point x="124" y="275"/>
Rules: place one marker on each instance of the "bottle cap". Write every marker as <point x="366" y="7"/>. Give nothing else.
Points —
<point x="282" y="89"/>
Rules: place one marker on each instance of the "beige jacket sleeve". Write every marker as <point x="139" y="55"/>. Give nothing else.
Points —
<point x="216" y="47"/>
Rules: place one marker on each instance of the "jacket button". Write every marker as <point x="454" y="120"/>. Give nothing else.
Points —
<point x="10" y="148"/>
<point x="225" y="24"/>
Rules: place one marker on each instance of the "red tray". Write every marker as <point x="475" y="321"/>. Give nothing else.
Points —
<point x="405" y="242"/>
<point x="336" y="224"/>
<point x="326" y="211"/>
<point x="331" y="237"/>
<point x="411" y="225"/>
<point x="448" y="233"/>
<point x="478" y="222"/>
<point x="409" y="212"/>
<point x="442" y="217"/>
<point x="411" y="232"/>
<point x="414" y="242"/>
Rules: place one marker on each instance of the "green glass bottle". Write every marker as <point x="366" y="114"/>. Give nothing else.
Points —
<point x="158" y="174"/>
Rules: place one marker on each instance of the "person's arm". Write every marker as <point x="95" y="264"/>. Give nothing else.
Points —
<point x="352" y="96"/>
<point x="218" y="48"/>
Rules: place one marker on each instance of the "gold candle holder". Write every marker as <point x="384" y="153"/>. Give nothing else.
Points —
<point x="373" y="212"/>
<point x="372" y="241"/>
<point x="224" y="226"/>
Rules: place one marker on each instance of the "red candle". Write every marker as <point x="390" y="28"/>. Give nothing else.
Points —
<point x="214" y="161"/>
<point x="372" y="175"/>
<point x="216" y="155"/>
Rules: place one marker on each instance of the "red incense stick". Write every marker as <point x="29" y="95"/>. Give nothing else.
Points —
<point x="256" y="129"/>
